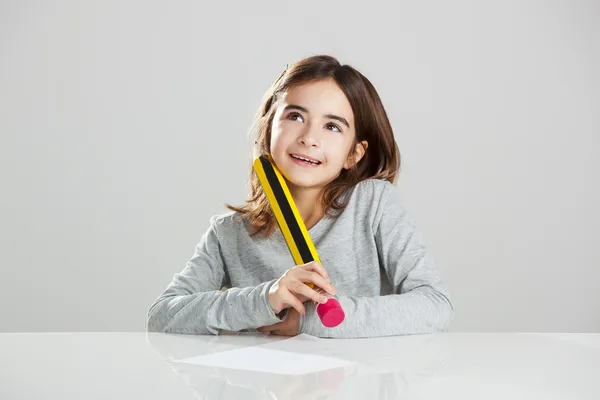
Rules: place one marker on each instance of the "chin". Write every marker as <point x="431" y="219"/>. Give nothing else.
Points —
<point x="299" y="177"/>
<point x="301" y="182"/>
<point x="297" y="180"/>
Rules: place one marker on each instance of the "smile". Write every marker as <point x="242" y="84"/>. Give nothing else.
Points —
<point x="304" y="161"/>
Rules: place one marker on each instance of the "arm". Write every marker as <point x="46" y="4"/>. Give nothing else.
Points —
<point x="419" y="304"/>
<point x="194" y="304"/>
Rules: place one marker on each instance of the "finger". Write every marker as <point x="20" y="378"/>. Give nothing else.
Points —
<point x="298" y="287"/>
<point x="293" y="301"/>
<point x="302" y="297"/>
<point x="317" y="267"/>
<point x="313" y="277"/>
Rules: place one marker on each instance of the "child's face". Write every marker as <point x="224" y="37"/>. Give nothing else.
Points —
<point x="314" y="120"/>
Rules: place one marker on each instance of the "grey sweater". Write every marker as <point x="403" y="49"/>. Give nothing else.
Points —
<point x="374" y="255"/>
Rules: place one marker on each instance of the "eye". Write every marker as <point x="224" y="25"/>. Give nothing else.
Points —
<point x="334" y="126"/>
<point x="294" y="116"/>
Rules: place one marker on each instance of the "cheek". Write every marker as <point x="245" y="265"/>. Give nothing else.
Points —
<point x="275" y="131"/>
<point x="279" y="140"/>
<point x="281" y="135"/>
<point x="338" y="151"/>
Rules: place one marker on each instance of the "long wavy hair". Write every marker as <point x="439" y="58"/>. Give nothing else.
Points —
<point x="380" y="161"/>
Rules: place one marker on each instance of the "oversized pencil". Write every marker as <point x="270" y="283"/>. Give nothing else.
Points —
<point x="293" y="229"/>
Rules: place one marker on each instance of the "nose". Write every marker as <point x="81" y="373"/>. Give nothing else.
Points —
<point x="309" y="137"/>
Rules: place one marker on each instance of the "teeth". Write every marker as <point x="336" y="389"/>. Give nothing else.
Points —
<point x="304" y="159"/>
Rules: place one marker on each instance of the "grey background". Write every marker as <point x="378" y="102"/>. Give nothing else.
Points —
<point x="123" y="129"/>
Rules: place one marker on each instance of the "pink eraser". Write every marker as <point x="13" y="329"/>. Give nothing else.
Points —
<point x="331" y="313"/>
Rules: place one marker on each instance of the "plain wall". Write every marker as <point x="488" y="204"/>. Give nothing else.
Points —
<point x="124" y="128"/>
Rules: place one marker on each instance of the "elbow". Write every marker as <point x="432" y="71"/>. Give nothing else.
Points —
<point x="440" y="312"/>
<point x="153" y="325"/>
<point x="155" y="322"/>
<point x="446" y="314"/>
<point x="162" y="317"/>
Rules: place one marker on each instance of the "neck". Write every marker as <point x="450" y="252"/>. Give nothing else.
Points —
<point x="308" y="201"/>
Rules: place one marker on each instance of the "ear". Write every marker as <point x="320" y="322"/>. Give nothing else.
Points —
<point x="357" y="154"/>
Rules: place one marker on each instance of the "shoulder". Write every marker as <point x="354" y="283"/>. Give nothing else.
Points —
<point x="226" y="228"/>
<point x="369" y="200"/>
<point x="380" y="199"/>
<point x="374" y="192"/>
<point x="226" y="222"/>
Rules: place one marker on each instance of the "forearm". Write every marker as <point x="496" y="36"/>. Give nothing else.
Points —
<point x="422" y="310"/>
<point x="235" y="309"/>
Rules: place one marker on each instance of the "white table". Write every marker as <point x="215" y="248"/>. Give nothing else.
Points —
<point x="445" y="366"/>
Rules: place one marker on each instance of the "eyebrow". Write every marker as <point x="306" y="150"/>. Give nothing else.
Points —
<point x="330" y="116"/>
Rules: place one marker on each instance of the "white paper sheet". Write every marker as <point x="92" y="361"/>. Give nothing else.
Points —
<point x="264" y="359"/>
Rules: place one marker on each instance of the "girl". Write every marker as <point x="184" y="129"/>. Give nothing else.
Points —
<point x="328" y="133"/>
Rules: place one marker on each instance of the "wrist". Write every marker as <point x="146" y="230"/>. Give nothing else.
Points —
<point x="273" y="304"/>
<point x="268" y="310"/>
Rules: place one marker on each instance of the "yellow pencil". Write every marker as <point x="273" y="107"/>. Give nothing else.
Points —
<point x="293" y="229"/>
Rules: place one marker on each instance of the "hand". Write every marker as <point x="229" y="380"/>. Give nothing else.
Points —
<point x="287" y="327"/>
<point x="291" y="290"/>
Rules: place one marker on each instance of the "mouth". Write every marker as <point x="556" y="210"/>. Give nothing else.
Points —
<point x="305" y="160"/>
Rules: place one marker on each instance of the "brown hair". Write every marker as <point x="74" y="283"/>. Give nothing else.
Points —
<point x="380" y="161"/>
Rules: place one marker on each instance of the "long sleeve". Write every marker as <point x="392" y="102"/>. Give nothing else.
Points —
<point x="419" y="302"/>
<point x="194" y="303"/>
